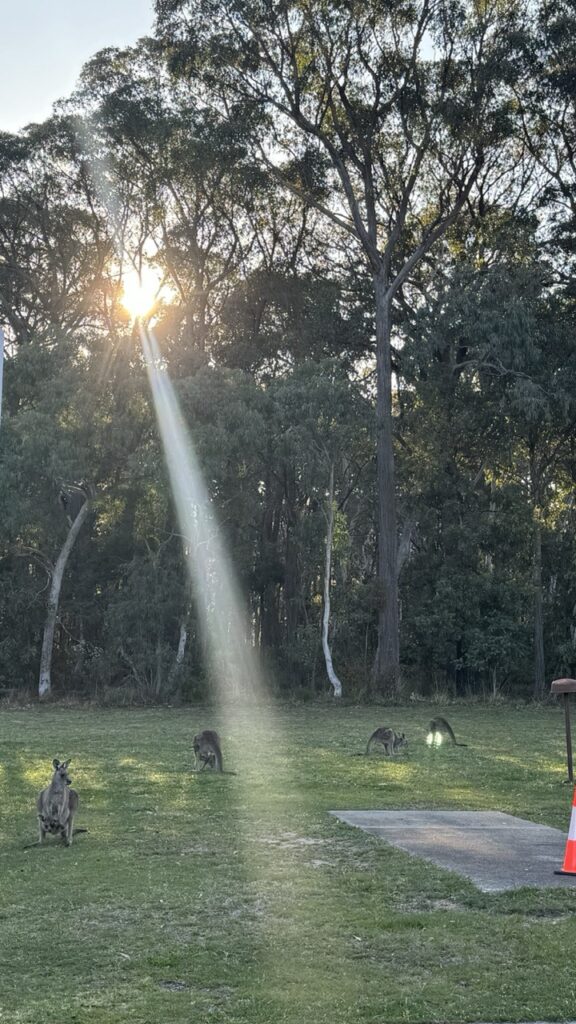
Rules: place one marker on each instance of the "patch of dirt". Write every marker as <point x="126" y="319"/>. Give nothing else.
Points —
<point x="174" y="986"/>
<point x="291" y="840"/>
<point x="445" y="904"/>
<point x="330" y="851"/>
<point x="423" y="905"/>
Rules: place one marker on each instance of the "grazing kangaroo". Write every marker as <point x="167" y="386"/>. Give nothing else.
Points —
<point x="440" y="727"/>
<point x="57" y="804"/>
<point x="207" y="749"/>
<point x="390" y="740"/>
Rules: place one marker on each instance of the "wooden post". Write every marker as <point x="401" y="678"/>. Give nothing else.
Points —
<point x="568" y="737"/>
<point x="566" y="687"/>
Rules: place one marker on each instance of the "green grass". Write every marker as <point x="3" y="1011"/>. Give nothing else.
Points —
<point x="238" y="899"/>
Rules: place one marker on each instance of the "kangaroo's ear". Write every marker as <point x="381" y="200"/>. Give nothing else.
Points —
<point x="56" y="762"/>
<point x="66" y="763"/>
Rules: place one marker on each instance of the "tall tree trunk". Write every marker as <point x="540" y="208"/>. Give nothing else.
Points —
<point x="182" y="639"/>
<point x="539" y="667"/>
<point x="334" y="680"/>
<point x="159" y="668"/>
<point x="269" y="636"/>
<point x="45" y="681"/>
<point x="536" y="490"/>
<point x="387" y="661"/>
<point x="181" y="651"/>
<point x="292" y="581"/>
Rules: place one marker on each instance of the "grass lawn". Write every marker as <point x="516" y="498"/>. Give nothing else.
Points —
<point x="237" y="898"/>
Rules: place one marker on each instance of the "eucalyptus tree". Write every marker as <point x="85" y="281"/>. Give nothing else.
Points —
<point x="537" y="372"/>
<point x="61" y="422"/>
<point x="466" y="586"/>
<point x="53" y="249"/>
<point x="488" y="421"/>
<point x="173" y="180"/>
<point x="547" y="100"/>
<point x="327" y="437"/>
<point x="384" y="118"/>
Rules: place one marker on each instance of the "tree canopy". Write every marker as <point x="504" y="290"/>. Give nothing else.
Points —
<point x="360" y="218"/>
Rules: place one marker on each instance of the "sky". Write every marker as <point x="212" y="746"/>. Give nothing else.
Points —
<point x="44" y="43"/>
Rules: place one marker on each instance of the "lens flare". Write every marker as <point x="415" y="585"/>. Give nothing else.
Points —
<point x="140" y="292"/>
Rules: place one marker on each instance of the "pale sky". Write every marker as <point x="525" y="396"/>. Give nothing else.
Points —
<point x="44" y="43"/>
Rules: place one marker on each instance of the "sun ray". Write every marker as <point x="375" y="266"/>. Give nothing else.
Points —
<point x="242" y="696"/>
<point x="140" y="292"/>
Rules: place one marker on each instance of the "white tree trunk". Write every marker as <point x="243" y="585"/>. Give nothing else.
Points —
<point x="334" y="681"/>
<point x="182" y="641"/>
<point x="45" y="682"/>
<point x="181" y="644"/>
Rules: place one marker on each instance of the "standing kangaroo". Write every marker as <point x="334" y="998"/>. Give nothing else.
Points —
<point x="57" y="805"/>
<point x="207" y="749"/>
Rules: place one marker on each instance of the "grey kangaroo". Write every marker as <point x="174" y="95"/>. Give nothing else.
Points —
<point x="207" y="749"/>
<point x="390" y="740"/>
<point x="57" y="805"/>
<point x="440" y="725"/>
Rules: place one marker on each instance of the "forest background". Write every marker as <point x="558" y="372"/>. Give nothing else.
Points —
<point x="346" y="204"/>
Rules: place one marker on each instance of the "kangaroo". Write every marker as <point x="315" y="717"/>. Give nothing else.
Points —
<point x="207" y="749"/>
<point x="389" y="739"/>
<point x="57" y="804"/>
<point x="438" y="729"/>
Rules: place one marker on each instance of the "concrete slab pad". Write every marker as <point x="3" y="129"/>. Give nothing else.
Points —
<point x="494" y="850"/>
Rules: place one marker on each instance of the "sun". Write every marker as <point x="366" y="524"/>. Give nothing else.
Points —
<point x="140" y="292"/>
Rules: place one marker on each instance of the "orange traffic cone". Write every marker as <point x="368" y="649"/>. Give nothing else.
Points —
<point x="569" y="865"/>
